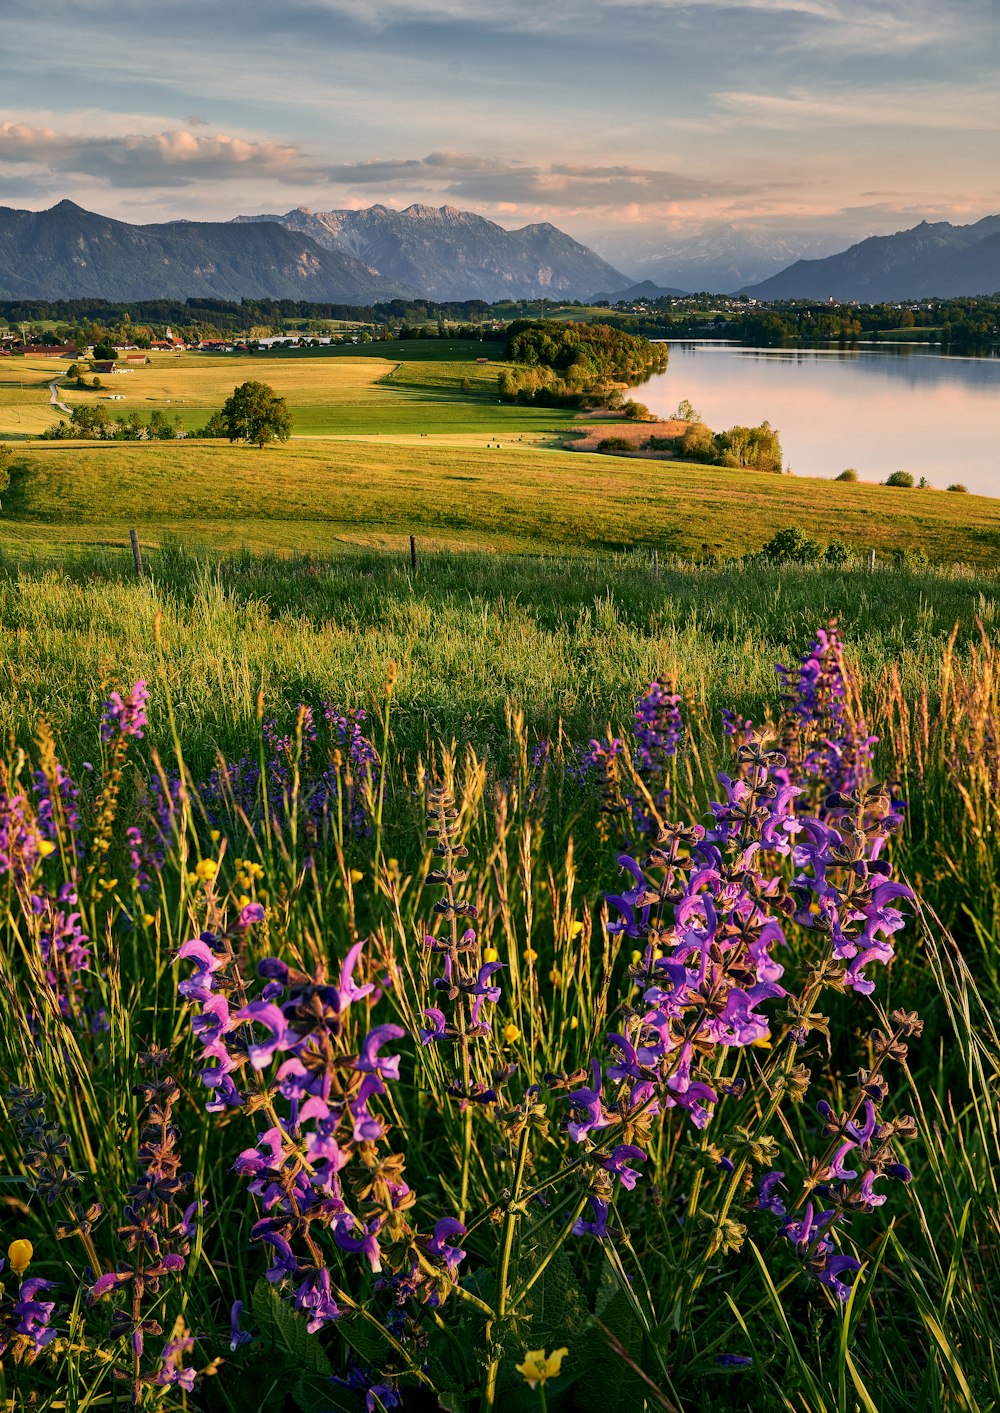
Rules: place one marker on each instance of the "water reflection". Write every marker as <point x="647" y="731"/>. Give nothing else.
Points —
<point x="877" y="409"/>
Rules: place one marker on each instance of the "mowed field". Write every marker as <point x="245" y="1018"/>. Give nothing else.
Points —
<point x="391" y="440"/>
<point x="410" y="389"/>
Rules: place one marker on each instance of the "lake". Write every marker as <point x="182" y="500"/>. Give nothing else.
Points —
<point x="878" y="409"/>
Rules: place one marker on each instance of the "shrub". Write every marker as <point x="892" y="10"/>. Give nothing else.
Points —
<point x="848" y="475"/>
<point x="636" y="411"/>
<point x="836" y="554"/>
<point x="899" y="478"/>
<point x="957" y="486"/>
<point x="750" y="448"/>
<point x="698" y="443"/>
<point x="909" y="559"/>
<point x="615" y="444"/>
<point x="792" y="547"/>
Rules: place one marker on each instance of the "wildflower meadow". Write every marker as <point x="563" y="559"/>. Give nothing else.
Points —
<point x="651" y="1066"/>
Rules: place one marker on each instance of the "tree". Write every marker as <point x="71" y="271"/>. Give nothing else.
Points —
<point x="255" y="413"/>
<point x="160" y="428"/>
<point x="899" y="478"/>
<point x="6" y="461"/>
<point x="104" y="352"/>
<point x="792" y="546"/>
<point x="215" y="427"/>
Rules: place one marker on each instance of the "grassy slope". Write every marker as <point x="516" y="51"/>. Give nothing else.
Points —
<point x="314" y="495"/>
<point x="383" y="448"/>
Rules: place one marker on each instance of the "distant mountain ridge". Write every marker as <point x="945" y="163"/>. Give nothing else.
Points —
<point x="929" y="260"/>
<point x="447" y="254"/>
<point x="646" y="289"/>
<point x="67" y="252"/>
<point x="723" y="256"/>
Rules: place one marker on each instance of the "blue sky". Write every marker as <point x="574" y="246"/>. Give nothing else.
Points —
<point x="622" y="122"/>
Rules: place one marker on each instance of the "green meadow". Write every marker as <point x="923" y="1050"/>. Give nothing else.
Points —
<point x="279" y="582"/>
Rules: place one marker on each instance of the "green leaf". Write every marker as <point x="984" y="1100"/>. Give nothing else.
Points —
<point x="286" y="1329"/>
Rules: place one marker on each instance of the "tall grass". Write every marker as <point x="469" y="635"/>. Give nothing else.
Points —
<point x="485" y="666"/>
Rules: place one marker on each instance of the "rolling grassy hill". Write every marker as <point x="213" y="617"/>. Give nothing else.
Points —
<point x="316" y="495"/>
<point x="408" y="438"/>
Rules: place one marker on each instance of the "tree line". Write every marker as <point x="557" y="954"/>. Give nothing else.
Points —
<point x="576" y="365"/>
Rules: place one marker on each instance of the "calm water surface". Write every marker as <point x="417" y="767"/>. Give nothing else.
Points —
<point x="876" y="409"/>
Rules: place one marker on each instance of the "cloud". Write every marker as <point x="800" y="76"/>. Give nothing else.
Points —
<point x="560" y="186"/>
<point x="930" y="106"/>
<point x="171" y="158"/>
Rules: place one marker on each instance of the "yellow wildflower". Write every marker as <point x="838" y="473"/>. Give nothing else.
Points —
<point x="573" y="1022"/>
<point x="215" y="835"/>
<point x="537" y="1368"/>
<point x="356" y="875"/>
<point x="490" y="954"/>
<point x="511" y="1033"/>
<point x="206" y="869"/>
<point x="45" y="847"/>
<point x="554" y="976"/>
<point x="19" y="1254"/>
<point x="148" y="919"/>
<point x="576" y="929"/>
<point x="530" y="956"/>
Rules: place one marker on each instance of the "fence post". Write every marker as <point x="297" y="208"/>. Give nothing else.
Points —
<point x="871" y="561"/>
<point x="656" y="560"/>
<point x="136" y="552"/>
<point x="413" y="554"/>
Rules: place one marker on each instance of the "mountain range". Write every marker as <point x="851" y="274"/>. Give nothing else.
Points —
<point x="442" y="253"/>
<point x="341" y="257"/>
<point x="446" y="254"/>
<point x="70" y="253"/>
<point x="931" y="259"/>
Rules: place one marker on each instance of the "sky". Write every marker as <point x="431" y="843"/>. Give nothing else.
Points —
<point x="631" y="124"/>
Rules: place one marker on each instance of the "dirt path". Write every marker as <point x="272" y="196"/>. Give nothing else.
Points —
<point x="54" y="400"/>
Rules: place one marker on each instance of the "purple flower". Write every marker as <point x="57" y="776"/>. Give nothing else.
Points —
<point x="440" y="1244"/>
<point x="125" y="716"/>
<point x="370" y="1062"/>
<point x="618" y="1162"/>
<point x="599" y="1226"/>
<point x="270" y="1016"/>
<point x="834" y="1268"/>
<point x="236" y="1335"/>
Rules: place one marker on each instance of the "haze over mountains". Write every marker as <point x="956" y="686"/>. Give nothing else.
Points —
<point x="442" y="253"/>
<point x="936" y="259"/>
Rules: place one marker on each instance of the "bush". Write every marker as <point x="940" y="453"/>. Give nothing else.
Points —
<point x="615" y="444"/>
<point x="849" y="475"/>
<point x="698" y="443"/>
<point x="899" y="478"/>
<point x="636" y="411"/>
<point x="957" y="486"/>
<point x="750" y="448"/>
<point x="836" y="554"/>
<point x="909" y="559"/>
<point x="792" y="547"/>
